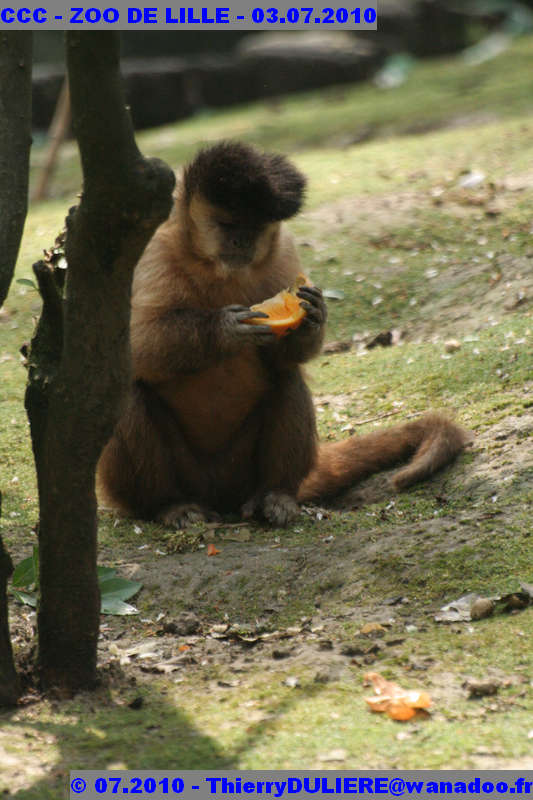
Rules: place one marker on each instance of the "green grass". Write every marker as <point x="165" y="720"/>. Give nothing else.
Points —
<point x="445" y="91"/>
<point x="371" y="229"/>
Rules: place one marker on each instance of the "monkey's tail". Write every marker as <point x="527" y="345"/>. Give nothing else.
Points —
<point x="431" y="442"/>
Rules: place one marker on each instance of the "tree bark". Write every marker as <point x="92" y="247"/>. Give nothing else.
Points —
<point x="79" y="359"/>
<point x="15" y="141"/>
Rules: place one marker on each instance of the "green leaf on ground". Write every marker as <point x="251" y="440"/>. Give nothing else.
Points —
<point x="113" y="590"/>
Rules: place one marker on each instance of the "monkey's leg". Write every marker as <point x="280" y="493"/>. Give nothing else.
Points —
<point x="286" y="449"/>
<point x="141" y="466"/>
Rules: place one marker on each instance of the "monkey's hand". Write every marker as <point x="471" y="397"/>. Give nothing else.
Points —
<point x="235" y="332"/>
<point x="305" y="341"/>
<point x="314" y="304"/>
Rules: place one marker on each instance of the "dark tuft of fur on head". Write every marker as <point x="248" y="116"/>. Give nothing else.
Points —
<point x="246" y="182"/>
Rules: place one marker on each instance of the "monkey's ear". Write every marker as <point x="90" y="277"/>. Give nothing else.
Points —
<point x="287" y="186"/>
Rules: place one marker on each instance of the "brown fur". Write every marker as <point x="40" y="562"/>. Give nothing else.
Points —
<point x="432" y="441"/>
<point x="219" y="416"/>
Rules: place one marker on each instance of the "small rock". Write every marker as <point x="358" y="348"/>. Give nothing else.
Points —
<point x="396" y="600"/>
<point x="236" y="535"/>
<point x="516" y="301"/>
<point x="472" y="179"/>
<point x="328" y="675"/>
<point x="452" y="345"/>
<point x="333" y="755"/>
<point x="291" y="681"/>
<point x="375" y="647"/>
<point x="383" y="339"/>
<point x="372" y="629"/>
<point x="481" y="608"/>
<point x="352" y="650"/>
<point x="279" y="655"/>
<point x="402" y="736"/>
<point x="336" y="347"/>
<point x="516" y="601"/>
<point x="481" y="688"/>
<point x="228" y="684"/>
<point x="220" y="629"/>
<point x="184" y="625"/>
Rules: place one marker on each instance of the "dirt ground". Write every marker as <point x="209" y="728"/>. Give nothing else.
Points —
<point x="199" y="612"/>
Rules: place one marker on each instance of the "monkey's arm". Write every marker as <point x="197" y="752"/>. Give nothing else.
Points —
<point x="305" y="342"/>
<point x="189" y="340"/>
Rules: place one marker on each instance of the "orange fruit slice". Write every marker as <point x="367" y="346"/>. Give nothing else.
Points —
<point x="284" y="310"/>
<point x="400" y="704"/>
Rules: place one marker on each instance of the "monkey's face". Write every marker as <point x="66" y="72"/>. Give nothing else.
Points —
<point x="237" y="242"/>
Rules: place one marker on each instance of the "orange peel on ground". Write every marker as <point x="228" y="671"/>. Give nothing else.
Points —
<point x="284" y="310"/>
<point x="399" y="704"/>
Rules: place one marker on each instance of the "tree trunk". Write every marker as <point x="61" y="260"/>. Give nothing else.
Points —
<point x="15" y="141"/>
<point x="79" y="359"/>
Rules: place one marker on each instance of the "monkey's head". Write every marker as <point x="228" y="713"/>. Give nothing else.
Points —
<point x="236" y="198"/>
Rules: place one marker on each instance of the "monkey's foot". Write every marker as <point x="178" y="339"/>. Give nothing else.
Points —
<point x="181" y="515"/>
<point x="278" y="508"/>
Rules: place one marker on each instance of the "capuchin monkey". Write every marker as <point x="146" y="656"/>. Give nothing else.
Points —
<point x="219" y="418"/>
